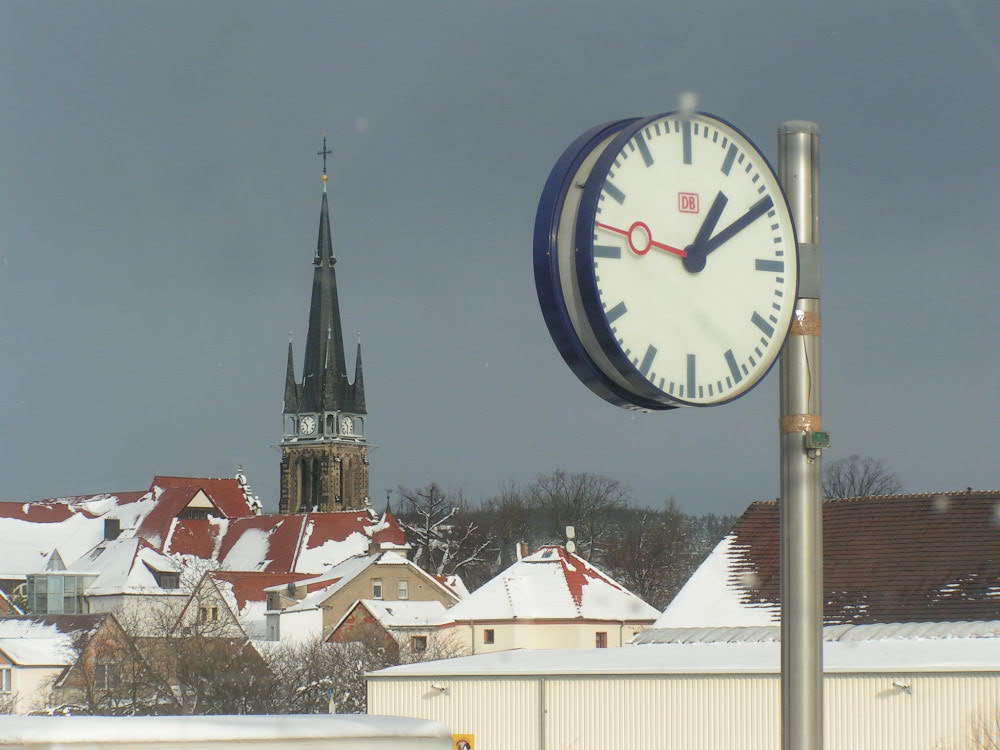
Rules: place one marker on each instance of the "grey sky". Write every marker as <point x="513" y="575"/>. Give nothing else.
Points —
<point x="159" y="202"/>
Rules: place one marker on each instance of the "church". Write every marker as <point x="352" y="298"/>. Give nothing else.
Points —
<point x="324" y="452"/>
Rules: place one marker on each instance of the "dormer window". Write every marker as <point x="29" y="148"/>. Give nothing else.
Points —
<point x="167" y="580"/>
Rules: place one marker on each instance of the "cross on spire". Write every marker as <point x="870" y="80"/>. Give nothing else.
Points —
<point x="324" y="153"/>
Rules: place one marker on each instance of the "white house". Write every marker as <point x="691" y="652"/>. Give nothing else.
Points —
<point x="552" y="598"/>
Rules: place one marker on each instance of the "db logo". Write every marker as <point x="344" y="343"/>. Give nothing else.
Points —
<point x="688" y="202"/>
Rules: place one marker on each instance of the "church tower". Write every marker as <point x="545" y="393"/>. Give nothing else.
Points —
<point x="324" y="453"/>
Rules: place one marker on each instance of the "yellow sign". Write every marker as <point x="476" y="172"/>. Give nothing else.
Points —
<point x="464" y="741"/>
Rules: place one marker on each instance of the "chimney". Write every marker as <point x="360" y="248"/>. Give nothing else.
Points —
<point x="570" y="539"/>
<point x="521" y="550"/>
<point x="112" y="528"/>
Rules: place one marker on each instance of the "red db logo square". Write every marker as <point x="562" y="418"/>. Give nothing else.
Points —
<point x="688" y="202"/>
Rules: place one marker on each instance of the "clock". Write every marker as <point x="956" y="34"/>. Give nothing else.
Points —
<point x="307" y="425"/>
<point x="686" y="262"/>
<point x="347" y="426"/>
<point x="555" y="282"/>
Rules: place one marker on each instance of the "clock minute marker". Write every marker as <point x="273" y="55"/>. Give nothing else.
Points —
<point x="614" y="192"/>
<point x="647" y="360"/>
<point x="733" y="367"/>
<point x="766" y="328"/>
<point x="647" y="158"/>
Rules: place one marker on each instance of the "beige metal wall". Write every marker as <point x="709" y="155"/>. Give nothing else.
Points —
<point x="702" y="712"/>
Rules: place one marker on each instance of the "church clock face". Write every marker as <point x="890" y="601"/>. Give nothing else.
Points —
<point x="307" y="425"/>
<point x="347" y="426"/>
<point x="686" y="259"/>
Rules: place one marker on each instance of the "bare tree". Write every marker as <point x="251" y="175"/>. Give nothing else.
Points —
<point x="590" y="503"/>
<point x="445" y="539"/>
<point x="857" y="476"/>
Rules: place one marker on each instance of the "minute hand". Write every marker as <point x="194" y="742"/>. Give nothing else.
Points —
<point x="755" y="211"/>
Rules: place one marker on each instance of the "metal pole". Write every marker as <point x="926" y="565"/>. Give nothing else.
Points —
<point x="801" y="467"/>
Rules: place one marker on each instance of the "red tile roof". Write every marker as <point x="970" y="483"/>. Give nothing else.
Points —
<point x="897" y="558"/>
<point x="294" y="542"/>
<point x="249" y="586"/>
<point x="227" y="494"/>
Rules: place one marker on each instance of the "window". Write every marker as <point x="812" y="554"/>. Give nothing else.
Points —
<point x="168" y="580"/>
<point x="4" y="679"/>
<point x="418" y="643"/>
<point x="376" y="588"/>
<point x="601" y="640"/>
<point x="489" y="636"/>
<point x="208" y="614"/>
<point x="404" y="589"/>
<point x="105" y="676"/>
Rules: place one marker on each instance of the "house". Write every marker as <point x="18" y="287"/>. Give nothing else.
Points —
<point x="404" y="628"/>
<point x="929" y="557"/>
<point x="232" y="603"/>
<point x="108" y="552"/>
<point x="76" y="663"/>
<point x="126" y="576"/>
<point x="552" y="598"/>
<point x="310" y="608"/>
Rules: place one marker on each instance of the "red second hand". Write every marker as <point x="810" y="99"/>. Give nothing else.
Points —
<point x="628" y="234"/>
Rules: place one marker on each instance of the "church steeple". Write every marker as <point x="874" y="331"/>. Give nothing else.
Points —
<point x="324" y="464"/>
<point x="291" y="387"/>
<point x="358" y="404"/>
<point x="324" y="360"/>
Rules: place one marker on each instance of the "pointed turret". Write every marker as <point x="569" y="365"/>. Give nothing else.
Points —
<point x="291" y="387"/>
<point x="324" y="358"/>
<point x="358" y="388"/>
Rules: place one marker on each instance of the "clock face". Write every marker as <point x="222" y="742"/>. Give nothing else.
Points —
<point x="686" y="260"/>
<point x="347" y="426"/>
<point x="307" y="425"/>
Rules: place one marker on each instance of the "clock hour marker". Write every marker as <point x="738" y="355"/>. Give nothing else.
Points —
<point x="614" y="192"/>
<point x="775" y="266"/>
<point x="766" y="328"/>
<point x="686" y="137"/>
<point x="728" y="163"/>
<point x="647" y="361"/>
<point x="692" y="380"/>
<point x="609" y="251"/>
<point x="733" y="367"/>
<point x="616" y="312"/>
<point x="647" y="158"/>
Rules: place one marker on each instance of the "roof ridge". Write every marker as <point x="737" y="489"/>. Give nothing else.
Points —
<point x="952" y="494"/>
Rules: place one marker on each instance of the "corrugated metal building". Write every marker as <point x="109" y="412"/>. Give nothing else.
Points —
<point x="906" y="686"/>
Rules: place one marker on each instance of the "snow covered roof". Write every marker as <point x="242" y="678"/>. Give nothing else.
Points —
<point x="124" y="566"/>
<point x="909" y="654"/>
<point x="293" y="543"/>
<point x="896" y="558"/>
<point x="876" y="632"/>
<point x="454" y="583"/>
<point x="30" y="531"/>
<point x="228" y="494"/>
<point x="231" y="535"/>
<point x="44" y="641"/>
<point x="552" y="583"/>
<point x="403" y="614"/>
<point x="212" y="731"/>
